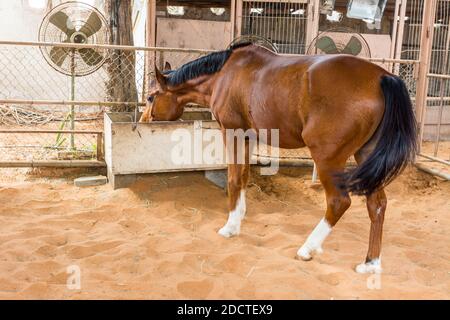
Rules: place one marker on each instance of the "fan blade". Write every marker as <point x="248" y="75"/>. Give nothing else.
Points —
<point x="62" y="21"/>
<point x="327" y="45"/>
<point x="353" y="46"/>
<point x="58" y="55"/>
<point x="92" y="25"/>
<point x="90" y="56"/>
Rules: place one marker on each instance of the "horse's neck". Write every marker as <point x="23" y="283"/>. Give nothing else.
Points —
<point x="197" y="91"/>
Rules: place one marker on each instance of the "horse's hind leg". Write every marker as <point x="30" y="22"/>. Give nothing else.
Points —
<point x="338" y="201"/>
<point x="376" y="205"/>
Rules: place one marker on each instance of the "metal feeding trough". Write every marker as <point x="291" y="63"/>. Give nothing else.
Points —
<point x="152" y="147"/>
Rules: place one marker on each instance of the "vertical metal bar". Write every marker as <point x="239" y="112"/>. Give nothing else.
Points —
<point x="399" y="39"/>
<point x="274" y="27"/>
<point x="313" y="21"/>
<point x="72" y="98"/>
<point x="443" y="85"/>
<point x="150" y="40"/>
<point x="284" y="29"/>
<point x="259" y="20"/>
<point x="100" y="156"/>
<point x="309" y="22"/>
<point x="264" y="25"/>
<point x="394" y="28"/>
<point x="425" y="55"/>
<point x="298" y="29"/>
<point x="232" y="19"/>
<point x="303" y="45"/>
<point x="239" y="17"/>
<point x="289" y="33"/>
<point x="278" y="21"/>
<point x="290" y="26"/>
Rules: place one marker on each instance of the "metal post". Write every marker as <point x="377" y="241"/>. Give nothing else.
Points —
<point x="100" y="156"/>
<point x="232" y="18"/>
<point x="394" y="29"/>
<point x="443" y="84"/>
<point x="72" y="98"/>
<point x="398" y="40"/>
<point x="312" y="27"/>
<point x="426" y="43"/>
<point x="238" y="18"/>
<point x="150" y="39"/>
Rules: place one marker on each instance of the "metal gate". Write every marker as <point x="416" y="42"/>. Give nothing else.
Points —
<point x="434" y="88"/>
<point x="287" y="24"/>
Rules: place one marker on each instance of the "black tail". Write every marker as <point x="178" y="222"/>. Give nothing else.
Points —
<point x="396" y="145"/>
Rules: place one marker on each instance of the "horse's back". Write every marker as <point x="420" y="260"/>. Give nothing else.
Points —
<point x="297" y="94"/>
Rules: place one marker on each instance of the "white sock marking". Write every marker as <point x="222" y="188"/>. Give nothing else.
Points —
<point x="233" y="225"/>
<point x="373" y="266"/>
<point x="314" y="241"/>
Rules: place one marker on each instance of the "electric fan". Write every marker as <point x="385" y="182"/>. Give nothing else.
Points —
<point x="340" y="40"/>
<point x="74" y="23"/>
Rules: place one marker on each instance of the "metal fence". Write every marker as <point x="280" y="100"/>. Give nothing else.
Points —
<point x="51" y="111"/>
<point x="38" y="103"/>
<point x="436" y="111"/>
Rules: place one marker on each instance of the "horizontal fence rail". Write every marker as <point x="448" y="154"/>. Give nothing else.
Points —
<point x="49" y="146"/>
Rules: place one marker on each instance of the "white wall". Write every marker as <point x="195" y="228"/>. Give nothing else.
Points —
<point x="27" y="75"/>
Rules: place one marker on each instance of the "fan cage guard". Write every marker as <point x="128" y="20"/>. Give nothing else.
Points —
<point x="78" y="13"/>
<point x="258" y="40"/>
<point x="341" y="36"/>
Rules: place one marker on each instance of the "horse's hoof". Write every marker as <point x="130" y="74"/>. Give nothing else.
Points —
<point x="306" y="254"/>
<point x="303" y="257"/>
<point x="373" y="266"/>
<point x="228" y="232"/>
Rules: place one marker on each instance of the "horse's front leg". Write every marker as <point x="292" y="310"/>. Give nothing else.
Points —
<point x="238" y="174"/>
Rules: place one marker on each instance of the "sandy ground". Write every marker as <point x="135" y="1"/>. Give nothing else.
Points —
<point x="158" y="239"/>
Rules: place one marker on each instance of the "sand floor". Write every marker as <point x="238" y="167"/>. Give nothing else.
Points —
<point x="158" y="239"/>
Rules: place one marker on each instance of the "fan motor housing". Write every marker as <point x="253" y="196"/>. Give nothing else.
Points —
<point x="78" y="37"/>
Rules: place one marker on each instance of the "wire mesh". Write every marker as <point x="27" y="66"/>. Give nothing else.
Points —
<point x="36" y="96"/>
<point x="282" y="22"/>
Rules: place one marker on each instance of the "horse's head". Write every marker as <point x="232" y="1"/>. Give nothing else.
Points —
<point x="162" y="103"/>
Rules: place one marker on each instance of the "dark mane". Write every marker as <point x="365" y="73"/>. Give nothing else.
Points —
<point x="209" y="64"/>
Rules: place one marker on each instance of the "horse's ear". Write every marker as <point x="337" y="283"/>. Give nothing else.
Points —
<point x="160" y="78"/>
<point x="167" y="66"/>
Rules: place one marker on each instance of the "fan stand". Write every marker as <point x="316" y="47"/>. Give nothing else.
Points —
<point x="72" y="98"/>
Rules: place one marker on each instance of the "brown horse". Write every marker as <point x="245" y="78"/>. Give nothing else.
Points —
<point x="336" y="105"/>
